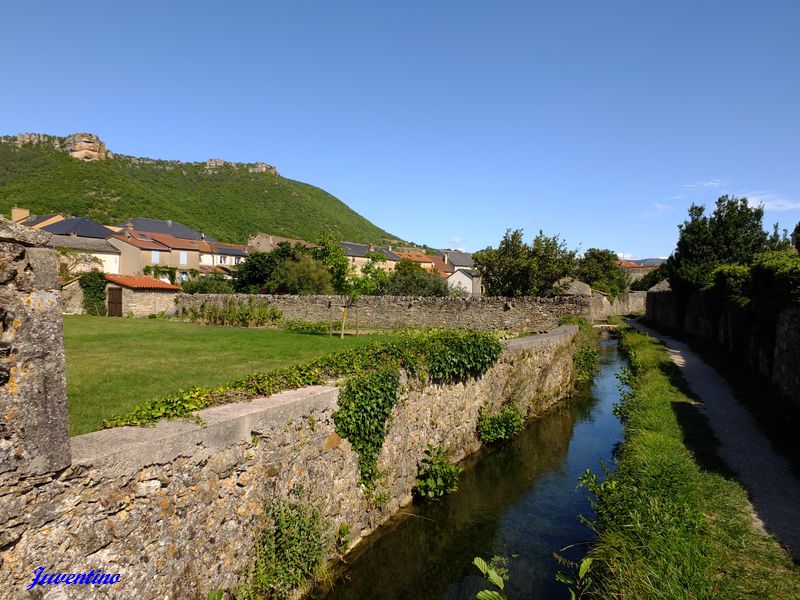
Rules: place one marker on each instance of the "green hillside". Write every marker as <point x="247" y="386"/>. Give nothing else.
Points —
<point x="229" y="203"/>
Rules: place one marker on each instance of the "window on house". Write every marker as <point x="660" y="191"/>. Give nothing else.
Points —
<point x="184" y="257"/>
<point x="222" y="260"/>
<point x="238" y="260"/>
<point x="155" y="255"/>
<point x="184" y="276"/>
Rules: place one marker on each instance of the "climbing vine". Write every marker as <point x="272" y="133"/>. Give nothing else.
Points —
<point x="93" y="285"/>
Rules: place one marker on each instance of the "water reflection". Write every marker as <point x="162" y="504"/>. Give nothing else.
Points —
<point x="519" y="501"/>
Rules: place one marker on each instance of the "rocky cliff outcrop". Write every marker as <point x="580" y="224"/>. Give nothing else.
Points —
<point x="83" y="146"/>
<point x="89" y="147"/>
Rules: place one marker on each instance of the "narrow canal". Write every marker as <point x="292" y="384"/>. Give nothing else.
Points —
<point x="519" y="502"/>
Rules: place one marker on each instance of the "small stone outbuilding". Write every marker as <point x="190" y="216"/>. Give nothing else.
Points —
<point x="138" y="295"/>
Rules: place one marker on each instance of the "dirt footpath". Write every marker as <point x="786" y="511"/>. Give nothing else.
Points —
<point x="774" y="490"/>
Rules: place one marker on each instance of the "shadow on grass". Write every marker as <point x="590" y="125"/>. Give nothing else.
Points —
<point x="777" y="416"/>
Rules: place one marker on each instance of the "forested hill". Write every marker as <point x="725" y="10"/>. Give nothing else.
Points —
<point x="227" y="201"/>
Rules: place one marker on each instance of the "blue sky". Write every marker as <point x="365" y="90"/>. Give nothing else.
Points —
<point x="442" y="122"/>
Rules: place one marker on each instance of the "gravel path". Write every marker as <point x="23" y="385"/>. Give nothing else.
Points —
<point x="774" y="490"/>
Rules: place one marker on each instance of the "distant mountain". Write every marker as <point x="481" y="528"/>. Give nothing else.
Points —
<point x="77" y="175"/>
<point x="650" y="262"/>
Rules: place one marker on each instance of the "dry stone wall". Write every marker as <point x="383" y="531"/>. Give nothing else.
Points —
<point x="515" y="314"/>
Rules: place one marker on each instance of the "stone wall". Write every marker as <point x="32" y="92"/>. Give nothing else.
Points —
<point x="516" y="314"/>
<point x="173" y="508"/>
<point x="146" y="302"/>
<point x="34" y="441"/>
<point x="602" y="308"/>
<point x="770" y="348"/>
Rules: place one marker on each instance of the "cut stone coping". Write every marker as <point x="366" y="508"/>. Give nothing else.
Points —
<point x="543" y="340"/>
<point x="128" y="449"/>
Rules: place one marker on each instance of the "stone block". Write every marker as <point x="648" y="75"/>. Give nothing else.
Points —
<point x="43" y="264"/>
<point x="12" y="232"/>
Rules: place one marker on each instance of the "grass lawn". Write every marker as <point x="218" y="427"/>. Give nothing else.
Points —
<point x="113" y="364"/>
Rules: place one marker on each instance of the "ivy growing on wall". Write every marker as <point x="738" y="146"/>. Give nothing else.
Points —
<point x="93" y="285"/>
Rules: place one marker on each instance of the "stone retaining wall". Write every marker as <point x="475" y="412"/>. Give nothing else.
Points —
<point x="173" y="508"/>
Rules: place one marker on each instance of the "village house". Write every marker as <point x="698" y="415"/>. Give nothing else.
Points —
<point x="82" y="245"/>
<point x="462" y="276"/>
<point x="265" y="242"/>
<point x="221" y="258"/>
<point x="423" y="260"/>
<point x="139" y="250"/>
<point x="358" y="255"/>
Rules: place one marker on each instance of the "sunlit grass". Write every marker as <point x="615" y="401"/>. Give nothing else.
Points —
<point x="113" y="364"/>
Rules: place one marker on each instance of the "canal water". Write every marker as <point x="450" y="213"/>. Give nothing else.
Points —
<point x="519" y="502"/>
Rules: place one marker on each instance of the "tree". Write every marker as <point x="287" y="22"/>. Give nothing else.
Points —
<point x="601" y="270"/>
<point x="331" y="254"/>
<point x="252" y="275"/>
<point x="796" y="237"/>
<point x="72" y="262"/>
<point x="516" y="269"/>
<point x="733" y="234"/>
<point x="410" y="279"/>
<point x="303" y="276"/>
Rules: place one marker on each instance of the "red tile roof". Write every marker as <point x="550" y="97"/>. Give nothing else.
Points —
<point x="139" y="240"/>
<point x="441" y="266"/>
<point x="139" y="282"/>
<point x="415" y="256"/>
<point x="177" y="243"/>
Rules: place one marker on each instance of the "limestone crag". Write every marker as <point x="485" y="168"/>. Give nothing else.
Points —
<point x="86" y="146"/>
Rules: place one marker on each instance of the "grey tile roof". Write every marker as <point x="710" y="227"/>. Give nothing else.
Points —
<point x="81" y="226"/>
<point x="179" y="230"/>
<point x="460" y="259"/>
<point x="86" y="244"/>
<point x="361" y="250"/>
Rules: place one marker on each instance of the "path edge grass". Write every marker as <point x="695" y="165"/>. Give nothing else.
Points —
<point x="666" y="526"/>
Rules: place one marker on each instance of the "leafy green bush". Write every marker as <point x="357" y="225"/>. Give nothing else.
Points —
<point x="502" y="426"/>
<point x="234" y="313"/>
<point x="290" y="549"/>
<point x="436" y="475"/>
<point x="775" y="279"/>
<point x="208" y="284"/>
<point x="93" y="285"/>
<point x="584" y="363"/>
<point x="730" y="284"/>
